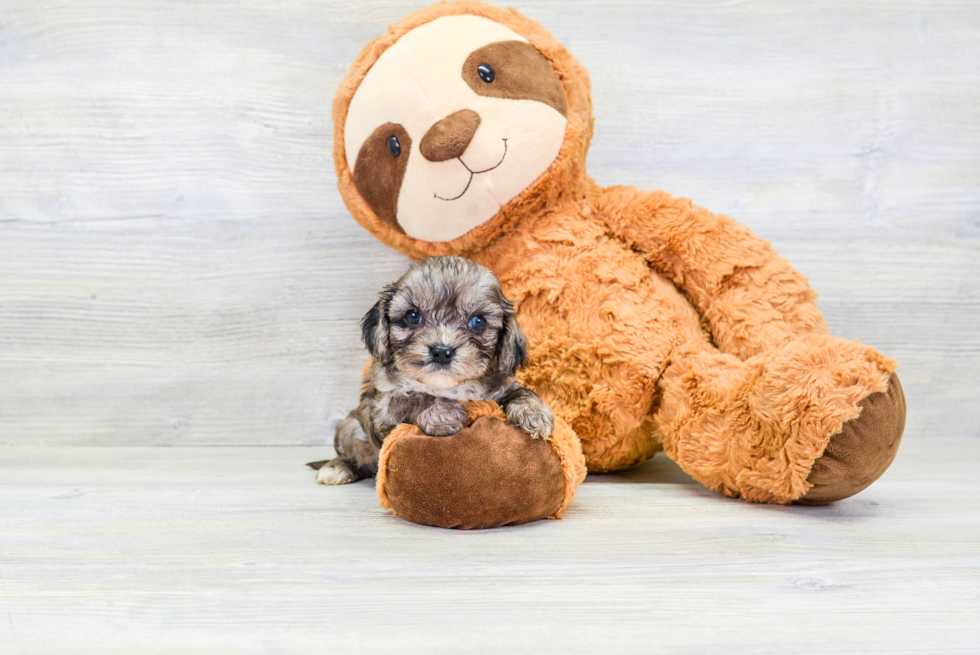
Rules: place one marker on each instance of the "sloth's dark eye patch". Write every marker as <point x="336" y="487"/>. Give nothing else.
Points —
<point x="413" y="318"/>
<point x="379" y="170"/>
<point x="486" y="73"/>
<point x="394" y="147"/>
<point x="515" y="70"/>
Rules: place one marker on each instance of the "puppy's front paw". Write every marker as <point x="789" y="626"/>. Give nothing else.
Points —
<point x="442" y="418"/>
<point x="335" y="472"/>
<point x="532" y="415"/>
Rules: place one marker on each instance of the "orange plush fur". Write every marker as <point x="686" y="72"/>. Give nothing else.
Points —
<point x="652" y="323"/>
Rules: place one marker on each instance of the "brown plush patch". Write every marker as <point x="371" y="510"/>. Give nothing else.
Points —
<point x="521" y="72"/>
<point x="489" y="474"/>
<point x="563" y="443"/>
<point x="858" y="454"/>
<point x="449" y="138"/>
<point x="378" y="174"/>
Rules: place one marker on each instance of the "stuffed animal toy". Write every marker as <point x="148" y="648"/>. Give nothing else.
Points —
<point x="652" y="324"/>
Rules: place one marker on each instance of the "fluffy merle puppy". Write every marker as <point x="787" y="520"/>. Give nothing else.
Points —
<point x="442" y="334"/>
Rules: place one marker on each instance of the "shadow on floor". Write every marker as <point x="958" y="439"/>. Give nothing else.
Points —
<point x="657" y="470"/>
<point x="662" y="470"/>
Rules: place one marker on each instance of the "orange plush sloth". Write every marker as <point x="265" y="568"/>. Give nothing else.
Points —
<point x="652" y="324"/>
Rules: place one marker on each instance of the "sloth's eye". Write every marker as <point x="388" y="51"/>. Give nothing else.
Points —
<point x="412" y="317"/>
<point x="477" y="324"/>
<point x="486" y="73"/>
<point x="394" y="147"/>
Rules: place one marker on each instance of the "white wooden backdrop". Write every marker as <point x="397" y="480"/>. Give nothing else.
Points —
<point x="177" y="268"/>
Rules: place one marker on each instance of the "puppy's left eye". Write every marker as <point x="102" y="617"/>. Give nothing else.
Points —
<point x="413" y="318"/>
<point x="477" y="324"/>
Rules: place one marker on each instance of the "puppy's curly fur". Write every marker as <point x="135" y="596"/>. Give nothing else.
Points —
<point x="442" y="334"/>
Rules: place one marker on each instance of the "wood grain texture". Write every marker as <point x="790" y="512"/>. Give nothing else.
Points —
<point x="176" y="266"/>
<point x="235" y="549"/>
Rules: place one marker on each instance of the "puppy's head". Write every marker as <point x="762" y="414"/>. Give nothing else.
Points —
<point x="445" y="322"/>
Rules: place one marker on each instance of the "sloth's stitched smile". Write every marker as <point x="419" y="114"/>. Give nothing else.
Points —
<point x="473" y="173"/>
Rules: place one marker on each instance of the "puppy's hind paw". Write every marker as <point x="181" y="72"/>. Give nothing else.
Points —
<point x="335" y="473"/>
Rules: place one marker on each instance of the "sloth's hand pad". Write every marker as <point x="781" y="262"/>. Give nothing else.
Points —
<point x="487" y="475"/>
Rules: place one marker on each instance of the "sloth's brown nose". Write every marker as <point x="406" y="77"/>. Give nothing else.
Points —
<point x="449" y="138"/>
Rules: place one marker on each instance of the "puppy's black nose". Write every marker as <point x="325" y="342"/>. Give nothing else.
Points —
<point x="442" y="354"/>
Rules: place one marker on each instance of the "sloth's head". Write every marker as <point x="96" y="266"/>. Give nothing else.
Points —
<point x="449" y="117"/>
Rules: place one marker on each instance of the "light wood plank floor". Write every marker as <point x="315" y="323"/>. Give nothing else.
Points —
<point x="143" y="549"/>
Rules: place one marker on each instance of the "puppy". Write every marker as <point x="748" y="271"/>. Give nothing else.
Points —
<point x="442" y="334"/>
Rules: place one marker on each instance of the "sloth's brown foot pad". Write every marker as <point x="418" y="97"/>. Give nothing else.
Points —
<point x="862" y="450"/>
<point x="488" y="475"/>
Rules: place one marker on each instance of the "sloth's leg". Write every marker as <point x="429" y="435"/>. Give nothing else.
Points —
<point x="751" y="299"/>
<point x="818" y="415"/>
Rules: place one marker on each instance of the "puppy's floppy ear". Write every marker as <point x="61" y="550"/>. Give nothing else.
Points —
<point x="511" y="342"/>
<point x="375" y="326"/>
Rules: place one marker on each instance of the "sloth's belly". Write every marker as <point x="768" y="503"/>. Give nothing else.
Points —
<point x="601" y="328"/>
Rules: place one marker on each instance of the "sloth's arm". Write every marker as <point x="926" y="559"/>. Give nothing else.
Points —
<point x="752" y="299"/>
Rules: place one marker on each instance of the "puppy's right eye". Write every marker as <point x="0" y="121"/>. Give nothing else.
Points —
<point x="413" y="318"/>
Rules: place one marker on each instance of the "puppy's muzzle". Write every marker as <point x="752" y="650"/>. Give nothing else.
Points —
<point x="442" y="355"/>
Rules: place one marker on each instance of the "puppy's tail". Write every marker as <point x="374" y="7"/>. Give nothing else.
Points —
<point x="316" y="466"/>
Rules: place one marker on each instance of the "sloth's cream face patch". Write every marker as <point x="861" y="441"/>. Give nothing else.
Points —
<point x="451" y="123"/>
